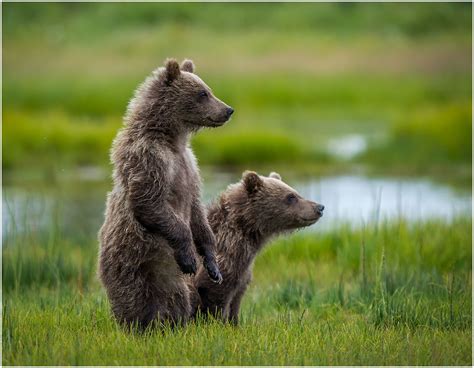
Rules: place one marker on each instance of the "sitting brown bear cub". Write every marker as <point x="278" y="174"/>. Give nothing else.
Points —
<point x="246" y="215"/>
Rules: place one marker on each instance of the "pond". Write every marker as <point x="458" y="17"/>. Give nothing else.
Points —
<point x="74" y="205"/>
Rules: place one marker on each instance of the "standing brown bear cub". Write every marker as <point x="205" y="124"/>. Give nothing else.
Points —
<point x="154" y="218"/>
<point x="244" y="218"/>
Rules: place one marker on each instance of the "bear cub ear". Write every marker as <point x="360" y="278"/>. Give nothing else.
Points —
<point x="252" y="182"/>
<point x="274" y="175"/>
<point x="171" y="70"/>
<point x="187" y="66"/>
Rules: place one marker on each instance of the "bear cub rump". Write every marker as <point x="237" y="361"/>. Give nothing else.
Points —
<point x="243" y="219"/>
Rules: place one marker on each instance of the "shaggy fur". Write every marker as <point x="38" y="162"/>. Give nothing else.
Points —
<point x="154" y="214"/>
<point x="245" y="217"/>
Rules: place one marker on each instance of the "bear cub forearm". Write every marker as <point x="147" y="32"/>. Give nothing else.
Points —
<point x="163" y="221"/>
<point x="179" y="236"/>
<point x="205" y="241"/>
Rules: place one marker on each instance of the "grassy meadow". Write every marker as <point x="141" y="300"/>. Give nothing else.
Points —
<point x="392" y="294"/>
<point x="299" y="76"/>
<point x="296" y="74"/>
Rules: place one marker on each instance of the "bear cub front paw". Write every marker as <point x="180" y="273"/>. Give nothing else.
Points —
<point x="213" y="270"/>
<point x="186" y="262"/>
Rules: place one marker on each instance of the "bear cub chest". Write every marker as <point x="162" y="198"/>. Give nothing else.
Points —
<point x="184" y="182"/>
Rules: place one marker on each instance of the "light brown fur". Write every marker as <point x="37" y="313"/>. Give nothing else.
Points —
<point x="244" y="218"/>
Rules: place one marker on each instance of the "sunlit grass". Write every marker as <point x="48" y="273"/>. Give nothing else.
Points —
<point x="70" y="329"/>
<point x="402" y="289"/>
<point x="276" y="120"/>
<point x="69" y="72"/>
<point x="435" y="139"/>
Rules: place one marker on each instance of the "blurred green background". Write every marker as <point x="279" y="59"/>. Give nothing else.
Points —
<point x="364" y="107"/>
<point x="398" y="76"/>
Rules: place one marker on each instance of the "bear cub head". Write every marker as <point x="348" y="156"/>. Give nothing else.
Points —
<point x="268" y="205"/>
<point x="187" y="98"/>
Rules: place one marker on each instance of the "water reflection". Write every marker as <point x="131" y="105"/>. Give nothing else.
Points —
<point x="347" y="146"/>
<point x="76" y="208"/>
<point x="358" y="199"/>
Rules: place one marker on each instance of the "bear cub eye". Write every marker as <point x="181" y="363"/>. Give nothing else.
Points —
<point x="203" y="95"/>
<point x="291" y="198"/>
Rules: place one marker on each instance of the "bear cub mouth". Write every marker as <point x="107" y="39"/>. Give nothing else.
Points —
<point x="222" y="119"/>
<point x="310" y="221"/>
<point x="219" y="122"/>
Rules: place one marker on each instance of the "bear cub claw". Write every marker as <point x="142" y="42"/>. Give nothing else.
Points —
<point x="187" y="263"/>
<point x="213" y="271"/>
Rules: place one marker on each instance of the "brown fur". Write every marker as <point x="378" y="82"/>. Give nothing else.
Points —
<point x="154" y="214"/>
<point x="246" y="215"/>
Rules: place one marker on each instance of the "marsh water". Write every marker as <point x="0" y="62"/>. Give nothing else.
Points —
<point x="74" y="204"/>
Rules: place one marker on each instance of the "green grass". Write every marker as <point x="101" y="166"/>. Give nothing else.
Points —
<point x="296" y="74"/>
<point x="394" y="294"/>
<point x="440" y="135"/>
<point x="277" y="120"/>
<point x="87" y="19"/>
<point x="77" y="330"/>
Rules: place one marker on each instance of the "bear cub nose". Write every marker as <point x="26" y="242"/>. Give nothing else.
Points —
<point x="319" y="209"/>
<point x="230" y="111"/>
